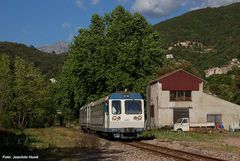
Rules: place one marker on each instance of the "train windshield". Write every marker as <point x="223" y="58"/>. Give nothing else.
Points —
<point x="116" y="107"/>
<point x="133" y="107"/>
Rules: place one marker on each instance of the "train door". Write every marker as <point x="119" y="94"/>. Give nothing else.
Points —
<point x="106" y="110"/>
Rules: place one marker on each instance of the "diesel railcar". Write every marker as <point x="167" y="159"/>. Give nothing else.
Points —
<point x="118" y="115"/>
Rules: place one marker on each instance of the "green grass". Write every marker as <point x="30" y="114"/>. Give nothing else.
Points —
<point x="188" y="136"/>
<point x="214" y="140"/>
<point x="57" y="143"/>
<point x="58" y="137"/>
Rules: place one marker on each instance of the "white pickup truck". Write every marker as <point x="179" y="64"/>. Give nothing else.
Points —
<point x="183" y="124"/>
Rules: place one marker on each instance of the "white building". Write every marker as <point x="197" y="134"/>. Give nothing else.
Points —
<point x="180" y="94"/>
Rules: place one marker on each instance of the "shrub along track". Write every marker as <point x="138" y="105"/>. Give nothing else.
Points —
<point x="173" y="153"/>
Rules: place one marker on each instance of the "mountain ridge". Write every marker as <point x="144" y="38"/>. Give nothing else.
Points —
<point x="49" y="64"/>
<point x="209" y="39"/>
<point x="217" y="29"/>
<point x="57" y="48"/>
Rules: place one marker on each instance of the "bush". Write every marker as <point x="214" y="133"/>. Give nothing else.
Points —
<point x="42" y="118"/>
<point x="6" y="120"/>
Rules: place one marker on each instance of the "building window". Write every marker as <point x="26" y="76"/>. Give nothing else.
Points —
<point x="188" y="96"/>
<point x="216" y="118"/>
<point x="152" y="111"/>
<point x="180" y="95"/>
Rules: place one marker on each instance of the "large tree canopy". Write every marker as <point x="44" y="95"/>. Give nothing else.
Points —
<point x="118" y="51"/>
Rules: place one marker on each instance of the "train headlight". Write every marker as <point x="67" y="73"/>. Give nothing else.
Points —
<point x="139" y="117"/>
<point x="119" y="118"/>
<point x="114" y="118"/>
<point x="135" y="118"/>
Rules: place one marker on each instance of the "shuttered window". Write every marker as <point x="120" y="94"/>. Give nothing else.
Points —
<point x="180" y="95"/>
<point x="151" y="111"/>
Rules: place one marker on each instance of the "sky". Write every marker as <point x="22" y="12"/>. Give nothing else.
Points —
<point x="44" y="22"/>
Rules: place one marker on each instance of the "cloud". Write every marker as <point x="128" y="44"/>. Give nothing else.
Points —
<point x="195" y="8"/>
<point x="94" y="2"/>
<point x="66" y="25"/>
<point x="217" y="3"/>
<point x="157" y="8"/>
<point x="79" y="3"/>
<point x="211" y="3"/>
<point x="160" y="8"/>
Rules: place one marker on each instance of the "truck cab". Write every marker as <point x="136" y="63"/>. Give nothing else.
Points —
<point x="182" y="124"/>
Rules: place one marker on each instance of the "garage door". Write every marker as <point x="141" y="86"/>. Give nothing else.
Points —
<point x="180" y="113"/>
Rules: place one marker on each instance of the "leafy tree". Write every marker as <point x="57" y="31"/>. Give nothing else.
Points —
<point x="4" y="80"/>
<point x="24" y="95"/>
<point x="5" y="89"/>
<point x="236" y="98"/>
<point x="172" y="65"/>
<point x="30" y="92"/>
<point x="63" y="94"/>
<point x="120" y="50"/>
<point x="216" y="28"/>
<point x="223" y="86"/>
<point x="49" y="64"/>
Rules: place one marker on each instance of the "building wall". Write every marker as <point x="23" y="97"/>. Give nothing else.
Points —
<point x="213" y="105"/>
<point x="153" y="99"/>
<point x="180" y="80"/>
<point x="164" y="108"/>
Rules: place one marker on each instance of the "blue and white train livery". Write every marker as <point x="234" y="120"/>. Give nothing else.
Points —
<point x="120" y="115"/>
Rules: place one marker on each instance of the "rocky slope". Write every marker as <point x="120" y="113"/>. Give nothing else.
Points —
<point x="59" y="47"/>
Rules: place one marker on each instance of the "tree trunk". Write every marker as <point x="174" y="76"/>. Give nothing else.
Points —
<point x="23" y="119"/>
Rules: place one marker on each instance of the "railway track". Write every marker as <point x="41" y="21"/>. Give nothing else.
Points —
<point x="173" y="153"/>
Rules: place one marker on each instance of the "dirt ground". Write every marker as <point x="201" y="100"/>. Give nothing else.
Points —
<point x="227" y="150"/>
<point x="112" y="150"/>
<point x="235" y="141"/>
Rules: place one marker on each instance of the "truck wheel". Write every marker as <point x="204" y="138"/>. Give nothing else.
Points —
<point x="179" y="130"/>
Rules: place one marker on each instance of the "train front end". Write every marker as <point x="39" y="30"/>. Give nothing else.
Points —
<point x="126" y="115"/>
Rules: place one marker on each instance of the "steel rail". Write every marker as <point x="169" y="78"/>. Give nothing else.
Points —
<point x="173" y="153"/>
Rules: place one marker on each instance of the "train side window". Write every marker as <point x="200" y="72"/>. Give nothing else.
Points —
<point x="116" y="107"/>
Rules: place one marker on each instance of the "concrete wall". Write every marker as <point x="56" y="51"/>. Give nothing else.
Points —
<point x="213" y="105"/>
<point x="153" y="99"/>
